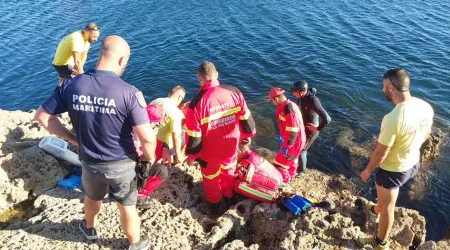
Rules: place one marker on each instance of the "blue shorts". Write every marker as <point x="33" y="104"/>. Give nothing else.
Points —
<point x="63" y="71"/>
<point x="118" y="178"/>
<point x="392" y="180"/>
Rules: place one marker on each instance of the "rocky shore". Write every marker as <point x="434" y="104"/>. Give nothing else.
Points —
<point x="179" y="217"/>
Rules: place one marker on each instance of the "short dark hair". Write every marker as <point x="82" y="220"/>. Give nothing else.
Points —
<point x="91" y="26"/>
<point x="206" y="69"/>
<point x="399" y="78"/>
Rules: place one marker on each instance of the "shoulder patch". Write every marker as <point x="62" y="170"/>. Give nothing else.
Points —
<point x="140" y="99"/>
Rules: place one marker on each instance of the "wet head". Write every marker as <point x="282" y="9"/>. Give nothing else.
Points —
<point x="299" y="88"/>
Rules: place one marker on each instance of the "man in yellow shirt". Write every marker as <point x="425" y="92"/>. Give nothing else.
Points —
<point x="170" y="133"/>
<point x="72" y="51"/>
<point x="397" y="153"/>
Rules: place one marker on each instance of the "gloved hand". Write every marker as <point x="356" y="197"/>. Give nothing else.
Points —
<point x="280" y="138"/>
<point x="285" y="151"/>
<point x="142" y="173"/>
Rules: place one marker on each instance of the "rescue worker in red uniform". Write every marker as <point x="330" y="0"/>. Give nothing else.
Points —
<point x="217" y="120"/>
<point x="292" y="131"/>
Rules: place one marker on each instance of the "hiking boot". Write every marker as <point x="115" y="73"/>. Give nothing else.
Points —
<point x="144" y="202"/>
<point x="228" y="201"/>
<point x="374" y="217"/>
<point x="89" y="233"/>
<point x="142" y="244"/>
<point x="370" y="240"/>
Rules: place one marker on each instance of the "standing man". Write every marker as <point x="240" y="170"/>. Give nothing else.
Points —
<point x="168" y="141"/>
<point x="311" y="110"/>
<point x="396" y="155"/>
<point x="105" y="111"/>
<point x="216" y="122"/>
<point x="292" y="132"/>
<point x="72" y="51"/>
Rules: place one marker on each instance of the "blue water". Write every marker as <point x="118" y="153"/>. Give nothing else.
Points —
<point x="341" y="47"/>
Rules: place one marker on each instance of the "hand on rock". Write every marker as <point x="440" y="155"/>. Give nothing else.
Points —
<point x="166" y="157"/>
<point x="189" y="161"/>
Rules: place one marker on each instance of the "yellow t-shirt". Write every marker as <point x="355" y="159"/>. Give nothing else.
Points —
<point x="404" y="129"/>
<point x="72" y="42"/>
<point x="173" y="117"/>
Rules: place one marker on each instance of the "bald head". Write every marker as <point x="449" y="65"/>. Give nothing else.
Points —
<point x="114" y="55"/>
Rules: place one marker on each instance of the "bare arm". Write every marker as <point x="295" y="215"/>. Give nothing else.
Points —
<point x="52" y="124"/>
<point x="176" y="137"/>
<point x="147" y="138"/>
<point x="79" y="62"/>
<point x="378" y="156"/>
<point x="84" y="57"/>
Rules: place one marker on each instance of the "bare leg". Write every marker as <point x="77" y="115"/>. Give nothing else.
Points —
<point x="386" y="207"/>
<point x="91" y="209"/>
<point x="130" y="222"/>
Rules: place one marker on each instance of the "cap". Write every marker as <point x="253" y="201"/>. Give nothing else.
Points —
<point x="155" y="113"/>
<point x="301" y="86"/>
<point x="275" y="92"/>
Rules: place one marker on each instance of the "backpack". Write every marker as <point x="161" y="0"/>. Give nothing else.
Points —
<point x="257" y="178"/>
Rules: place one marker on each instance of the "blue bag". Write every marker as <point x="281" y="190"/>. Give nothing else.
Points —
<point x="297" y="204"/>
<point x="74" y="181"/>
<point x="302" y="203"/>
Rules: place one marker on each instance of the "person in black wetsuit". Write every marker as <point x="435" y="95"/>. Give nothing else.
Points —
<point x="312" y="110"/>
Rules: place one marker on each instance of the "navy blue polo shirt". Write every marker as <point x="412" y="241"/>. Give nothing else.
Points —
<point x="103" y="108"/>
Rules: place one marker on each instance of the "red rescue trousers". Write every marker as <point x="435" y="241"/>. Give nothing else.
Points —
<point x="157" y="175"/>
<point x="218" y="178"/>
<point x="287" y="168"/>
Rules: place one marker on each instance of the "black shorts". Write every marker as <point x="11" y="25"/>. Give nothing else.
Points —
<point x="392" y="180"/>
<point x="63" y="71"/>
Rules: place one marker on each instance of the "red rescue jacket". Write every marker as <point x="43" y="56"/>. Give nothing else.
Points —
<point x="216" y="121"/>
<point x="290" y="123"/>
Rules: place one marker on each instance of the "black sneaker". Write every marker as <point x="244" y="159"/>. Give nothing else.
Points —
<point x="89" y="233"/>
<point x="142" y="244"/>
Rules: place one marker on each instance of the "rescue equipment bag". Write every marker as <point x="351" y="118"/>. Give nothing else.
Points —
<point x="257" y="178"/>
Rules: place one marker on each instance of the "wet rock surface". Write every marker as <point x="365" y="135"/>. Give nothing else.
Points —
<point x="179" y="217"/>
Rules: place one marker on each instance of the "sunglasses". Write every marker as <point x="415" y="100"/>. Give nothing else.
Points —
<point x="394" y="83"/>
<point x="94" y="29"/>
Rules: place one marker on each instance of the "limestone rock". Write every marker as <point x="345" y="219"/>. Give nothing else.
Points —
<point x="427" y="245"/>
<point x="179" y="217"/>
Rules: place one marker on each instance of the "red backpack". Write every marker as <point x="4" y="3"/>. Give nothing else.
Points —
<point x="257" y="178"/>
